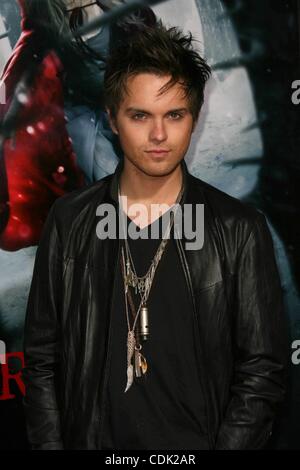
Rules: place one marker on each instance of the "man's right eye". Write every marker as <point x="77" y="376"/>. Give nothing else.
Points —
<point x="139" y="116"/>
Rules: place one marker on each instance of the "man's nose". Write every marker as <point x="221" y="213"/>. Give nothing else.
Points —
<point x="158" y="131"/>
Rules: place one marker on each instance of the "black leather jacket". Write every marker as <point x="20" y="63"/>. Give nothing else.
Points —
<point x="238" y="317"/>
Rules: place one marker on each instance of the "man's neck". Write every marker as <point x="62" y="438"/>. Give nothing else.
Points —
<point x="141" y="188"/>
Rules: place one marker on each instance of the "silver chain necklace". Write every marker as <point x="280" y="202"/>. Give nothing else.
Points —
<point x="141" y="284"/>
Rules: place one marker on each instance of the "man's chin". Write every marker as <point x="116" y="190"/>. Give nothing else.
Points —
<point x="158" y="170"/>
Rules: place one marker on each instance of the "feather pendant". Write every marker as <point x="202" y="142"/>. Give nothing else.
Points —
<point x="130" y="352"/>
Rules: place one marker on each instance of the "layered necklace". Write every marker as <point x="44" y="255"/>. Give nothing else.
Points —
<point x="136" y="362"/>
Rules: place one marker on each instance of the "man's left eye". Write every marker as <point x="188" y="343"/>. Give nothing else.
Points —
<point x="175" y="116"/>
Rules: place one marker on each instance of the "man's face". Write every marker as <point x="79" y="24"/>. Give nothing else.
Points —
<point x="154" y="131"/>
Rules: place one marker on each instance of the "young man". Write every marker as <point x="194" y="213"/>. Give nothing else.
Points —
<point x="154" y="343"/>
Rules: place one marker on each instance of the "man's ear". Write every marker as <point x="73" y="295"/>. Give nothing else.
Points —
<point x="112" y="122"/>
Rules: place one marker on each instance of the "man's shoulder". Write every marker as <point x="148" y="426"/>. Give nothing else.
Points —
<point x="78" y="203"/>
<point x="231" y="212"/>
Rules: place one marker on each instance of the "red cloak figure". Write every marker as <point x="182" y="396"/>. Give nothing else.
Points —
<point x="37" y="162"/>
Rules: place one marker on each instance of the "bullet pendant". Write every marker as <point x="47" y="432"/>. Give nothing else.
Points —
<point x="144" y="323"/>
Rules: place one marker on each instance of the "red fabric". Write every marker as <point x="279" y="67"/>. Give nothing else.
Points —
<point x="38" y="163"/>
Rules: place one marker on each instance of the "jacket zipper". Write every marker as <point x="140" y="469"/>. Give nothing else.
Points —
<point x="191" y="292"/>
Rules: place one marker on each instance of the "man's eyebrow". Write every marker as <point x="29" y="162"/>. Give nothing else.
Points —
<point x="178" y="110"/>
<point x="137" y="110"/>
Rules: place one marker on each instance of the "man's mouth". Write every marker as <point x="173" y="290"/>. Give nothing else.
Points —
<point x="158" y="151"/>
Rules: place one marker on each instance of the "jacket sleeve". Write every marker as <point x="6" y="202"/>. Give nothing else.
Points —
<point x="42" y="343"/>
<point x="260" y="345"/>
